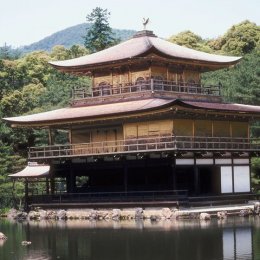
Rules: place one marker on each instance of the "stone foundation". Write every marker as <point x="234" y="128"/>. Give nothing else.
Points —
<point x="153" y="214"/>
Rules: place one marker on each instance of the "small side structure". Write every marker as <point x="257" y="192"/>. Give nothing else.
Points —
<point x="146" y="132"/>
<point x="31" y="174"/>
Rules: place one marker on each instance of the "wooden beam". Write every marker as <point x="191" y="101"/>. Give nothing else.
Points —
<point x="50" y="139"/>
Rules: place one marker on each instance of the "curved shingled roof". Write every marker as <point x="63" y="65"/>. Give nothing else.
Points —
<point x="72" y="114"/>
<point x="138" y="46"/>
<point x="96" y="111"/>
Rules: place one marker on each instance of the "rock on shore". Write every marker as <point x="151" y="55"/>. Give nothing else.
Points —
<point x="2" y="236"/>
<point x="205" y="216"/>
<point x="222" y="214"/>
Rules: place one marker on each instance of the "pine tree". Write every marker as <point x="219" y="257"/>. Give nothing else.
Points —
<point x="99" y="36"/>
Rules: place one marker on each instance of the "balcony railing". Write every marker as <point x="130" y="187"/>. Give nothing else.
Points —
<point x="111" y="197"/>
<point x="145" y="145"/>
<point x="147" y="85"/>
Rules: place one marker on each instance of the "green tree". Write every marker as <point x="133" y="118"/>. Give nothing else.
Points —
<point x="10" y="195"/>
<point x="10" y="77"/>
<point x="76" y="51"/>
<point x="59" y="89"/>
<point x="240" y="39"/>
<point x="35" y="67"/>
<point x="240" y="83"/>
<point x="99" y="36"/>
<point x="59" y="52"/>
<point x="8" y="53"/>
<point x="22" y="101"/>
<point x="29" y="85"/>
<point x="5" y="52"/>
<point x="190" y="40"/>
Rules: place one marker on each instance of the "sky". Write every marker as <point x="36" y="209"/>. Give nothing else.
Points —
<point x="23" y="22"/>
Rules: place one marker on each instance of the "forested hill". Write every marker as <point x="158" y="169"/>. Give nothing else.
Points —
<point x="70" y="36"/>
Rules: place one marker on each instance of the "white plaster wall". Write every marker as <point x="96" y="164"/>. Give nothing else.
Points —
<point x="184" y="161"/>
<point x="241" y="161"/>
<point x="204" y="161"/>
<point x="241" y="178"/>
<point x="226" y="179"/>
<point x="223" y="161"/>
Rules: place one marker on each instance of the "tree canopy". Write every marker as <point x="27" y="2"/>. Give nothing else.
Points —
<point x="99" y="36"/>
<point x="239" y="40"/>
<point x="29" y="85"/>
<point x="241" y="83"/>
<point x="186" y="38"/>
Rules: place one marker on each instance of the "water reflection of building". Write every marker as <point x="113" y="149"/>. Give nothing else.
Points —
<point x="141" y="240"/>
<point x="238" y="243"/>
<point x="146" y="130"/>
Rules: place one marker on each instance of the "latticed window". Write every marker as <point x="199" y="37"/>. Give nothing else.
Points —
<point x="139" y="81"/>
<point x="141" y="84"/>
<point x="102" y="89"/>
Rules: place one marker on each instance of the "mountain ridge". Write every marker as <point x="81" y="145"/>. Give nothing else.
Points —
<point x="70" y="36"/>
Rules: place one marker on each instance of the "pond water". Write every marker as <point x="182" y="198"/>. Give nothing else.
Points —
<point x="234" y="238"/>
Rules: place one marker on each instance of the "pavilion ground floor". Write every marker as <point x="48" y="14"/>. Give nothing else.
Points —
<point x="143" y="180"/>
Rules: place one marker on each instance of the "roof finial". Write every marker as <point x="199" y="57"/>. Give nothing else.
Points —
<point x="145" y="22"/>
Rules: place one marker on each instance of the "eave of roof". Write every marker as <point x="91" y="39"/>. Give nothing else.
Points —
<point x="122" y="109"/>
<point x="38" y="171"/>
<point x="229" y="107"/>
<point x="73" y="114"/>
<point x="138" y="47"/>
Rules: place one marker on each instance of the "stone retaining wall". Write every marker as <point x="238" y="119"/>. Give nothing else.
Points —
<point x="154" y="214"/>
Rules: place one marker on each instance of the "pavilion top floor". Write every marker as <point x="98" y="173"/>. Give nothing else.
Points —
<point x="145" y="63"/>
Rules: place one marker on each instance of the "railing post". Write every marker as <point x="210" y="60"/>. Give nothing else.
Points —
<point x="152" y="84"/>
<point x="219" y="88"/>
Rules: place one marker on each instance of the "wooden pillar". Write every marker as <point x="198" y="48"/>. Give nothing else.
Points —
<point x="50" y="139"/>
<point x="193" y="128"/>
<point x="70" y="135"/>
<point x="52" y="181"/>
<point x="71" y="181"/>
<point x="111" y="75"/>
<point x="233" y="176"/>
<point x="68" y="183"/>
<point x="125" y="177"/>
<point x="92" y="81"/>
<point x="52" y="185"/>
<point x="196" y="180"/>
<point x="129" y="75"/>
<point x="173" y="168"/>
<point x="47" y="186"/>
